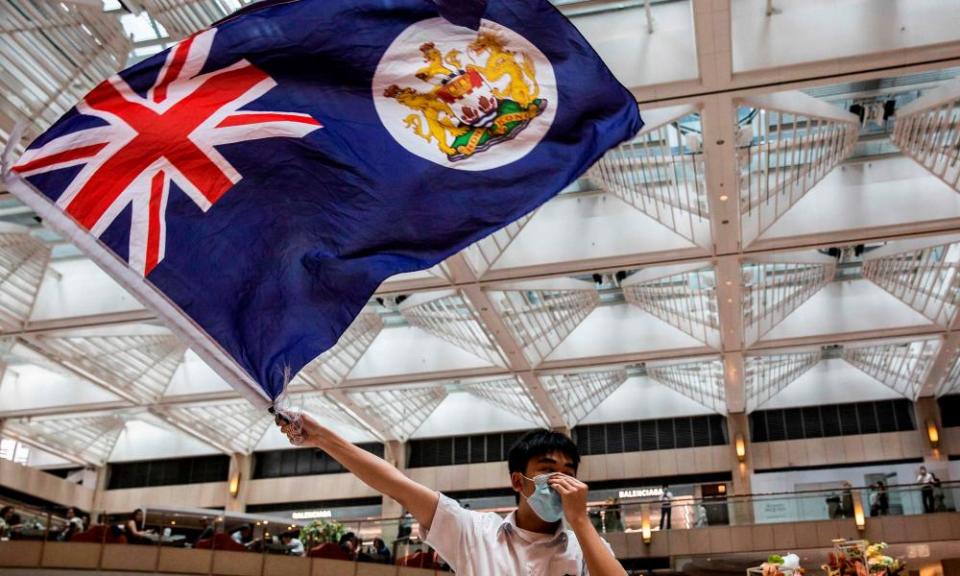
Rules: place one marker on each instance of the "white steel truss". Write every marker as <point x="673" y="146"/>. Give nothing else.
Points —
<point x="180" y="18"/>
<point x="53" y="53"/>
<point x="791" y="142"/>
<point x="234" y="426"/>
<point x="775" y="286"/>
<point x="403" y="410"/>
<point x="450" y="316"/>
<point x="925" y="278"/>
<point x="141" y="365"/>
<point x="684" y="296"/>
<point x="333" y="366"/>
<point x="927" y="131"/>
<point x="901" y="366"/>
<point x="88" y="438"/>
<point x="951" y="382"/>
<point x="541" y="314"/>
<point x="661" y="173"/>
<point x="23" y="262"/>
<point x="509" y="394"/>
<point x="769" y="374"/>
<point x="701" y="381"/>
<point x="483" y="255"/>
<point x="577" y="394"/>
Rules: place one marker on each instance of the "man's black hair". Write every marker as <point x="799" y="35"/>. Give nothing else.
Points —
<point x="538" y="443"/>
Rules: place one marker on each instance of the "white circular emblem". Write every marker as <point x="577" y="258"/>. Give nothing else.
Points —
<point x="465" y="99"/>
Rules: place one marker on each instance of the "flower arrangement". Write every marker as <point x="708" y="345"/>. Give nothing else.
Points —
<point x="777" y="565"/>
<point x="861" y="558"/>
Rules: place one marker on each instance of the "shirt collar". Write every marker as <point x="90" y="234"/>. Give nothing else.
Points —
<point x="509" y="526"/>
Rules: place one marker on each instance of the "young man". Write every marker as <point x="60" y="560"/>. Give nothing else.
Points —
<point x="531" y="541"/>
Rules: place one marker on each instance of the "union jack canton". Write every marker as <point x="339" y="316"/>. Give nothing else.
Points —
<point x="168" y="135"/>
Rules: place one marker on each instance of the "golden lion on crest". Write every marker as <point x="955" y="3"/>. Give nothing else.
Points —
<point x="474" y="107"/>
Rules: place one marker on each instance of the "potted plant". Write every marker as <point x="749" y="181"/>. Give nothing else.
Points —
<point x="321" y="532"/>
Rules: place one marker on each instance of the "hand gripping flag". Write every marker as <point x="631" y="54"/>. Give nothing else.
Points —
<point x="256" y="183"/>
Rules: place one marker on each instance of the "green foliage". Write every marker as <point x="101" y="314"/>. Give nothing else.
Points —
<point x="321" y="532"/>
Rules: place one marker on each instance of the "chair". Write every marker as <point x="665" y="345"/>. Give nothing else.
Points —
<point x="329" y="551"/>
<point x="221" y="541"/>
<point x="99" y="533"/>
<point x="420" y="559"/>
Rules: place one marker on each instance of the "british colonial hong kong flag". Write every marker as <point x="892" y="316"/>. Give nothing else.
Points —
<point x="255" y="183"/>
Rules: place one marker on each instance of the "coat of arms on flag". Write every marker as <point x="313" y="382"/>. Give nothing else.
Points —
<point x="464" y="92"/>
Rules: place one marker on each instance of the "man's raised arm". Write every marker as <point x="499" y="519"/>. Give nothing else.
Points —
<point x="371" y="470"/>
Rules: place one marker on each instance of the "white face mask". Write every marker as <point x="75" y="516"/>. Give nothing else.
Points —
<point x="545" y="501"/>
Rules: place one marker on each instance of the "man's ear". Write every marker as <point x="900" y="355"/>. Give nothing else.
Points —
<point x="516" y="481"/>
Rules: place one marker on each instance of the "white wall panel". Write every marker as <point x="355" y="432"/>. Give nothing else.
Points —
<point x="642" y="398"/>
<point x="832" y="381"/>
<point x="77" y="287"/>
<point x="621" y="329"/>
<point x="638" y="58"/>
<point x="463" y="413"/>
<point x="860" y="195"/>
<point x="408" y="350"/>
<point x="588" y="226"/>
<point x="851" y="306"/>
<point x="195" y="377"/>
<point x="25" y="387"/>
<point x="147" y="441"/>
<point x="815" y="30"/>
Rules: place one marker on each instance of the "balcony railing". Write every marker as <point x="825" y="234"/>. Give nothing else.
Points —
<point x="202" y="541"/>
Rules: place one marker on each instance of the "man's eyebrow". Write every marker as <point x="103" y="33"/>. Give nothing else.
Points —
<point x="547" y="460"/>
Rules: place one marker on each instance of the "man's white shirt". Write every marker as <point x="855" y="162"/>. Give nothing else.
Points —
<point x="484" y="544"/>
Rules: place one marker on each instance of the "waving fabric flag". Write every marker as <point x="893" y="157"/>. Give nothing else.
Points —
<point x="255" y="183"/>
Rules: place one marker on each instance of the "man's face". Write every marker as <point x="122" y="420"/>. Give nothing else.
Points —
<point x="546" y="464"/>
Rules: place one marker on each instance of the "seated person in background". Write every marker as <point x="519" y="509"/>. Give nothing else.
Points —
<point x="292" y="542"/>
<point x="207" y="533"/>
<point x="15" y="525"/>
<point x="381" y="553"/>
<point x="532" y="540"/>
<point x="350" y="545"/>
<point x="243" y="535"/>
<point x="133" y="529"/>
<point x="6" y="513"/>
<point x="74" y="525"/>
